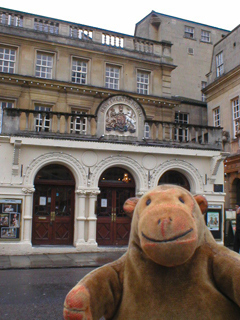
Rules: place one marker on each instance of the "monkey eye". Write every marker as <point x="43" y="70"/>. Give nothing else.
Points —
<point x="181" y="200"/>
<point x="148" y="202"/>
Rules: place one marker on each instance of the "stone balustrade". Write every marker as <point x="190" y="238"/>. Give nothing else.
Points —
<point x="40" y="124"/>
<point x="84" y="33"/>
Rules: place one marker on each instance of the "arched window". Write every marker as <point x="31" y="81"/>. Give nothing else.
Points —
<point x="174" y="177"/>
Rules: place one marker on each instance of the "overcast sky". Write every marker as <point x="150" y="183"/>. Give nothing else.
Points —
<point x="122" y="15"/>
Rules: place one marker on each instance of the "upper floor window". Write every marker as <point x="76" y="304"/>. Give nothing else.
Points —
<point x="3" y="105"/>
<point x="189" y="32"/>
<point x="219" y="64"/>
<point x="146" y="131"/>
<point x="181" y="132"/>
<point x="112" y="78"/>
<point x="216" y="117"/>
<point x="46" y="26"/>
<point x="7" y="60"/>
<point x="44" y="65"/>
<point x="43" y="120"/>
<point x="203" y="85"/>
<point x="11" y="19"/>
<point x="236" y="116"/>
<point x="205" y="36"/>
<point x="78" y="122"/>
<point x="143" y="82"/>
<point x="79" y="71"/>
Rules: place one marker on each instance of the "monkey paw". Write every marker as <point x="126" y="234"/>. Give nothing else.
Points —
<point x="77" y="304"/>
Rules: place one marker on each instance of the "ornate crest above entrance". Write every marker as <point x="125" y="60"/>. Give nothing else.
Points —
<point x="120" y="116"/>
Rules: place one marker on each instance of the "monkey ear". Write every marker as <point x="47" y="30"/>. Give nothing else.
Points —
<point x="129" y="206"/>
<point x="202" y="202"/>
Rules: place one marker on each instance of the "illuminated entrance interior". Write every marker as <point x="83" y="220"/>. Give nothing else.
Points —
<point x="174" y="177"/>
<point x="53" y="207"/>
<point x="113" y="226"/>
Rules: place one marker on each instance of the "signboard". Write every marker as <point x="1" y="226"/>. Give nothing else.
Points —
<point x="10" y="219"/>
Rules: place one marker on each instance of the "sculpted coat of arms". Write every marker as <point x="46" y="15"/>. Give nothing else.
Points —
<point x="121" y="118"/>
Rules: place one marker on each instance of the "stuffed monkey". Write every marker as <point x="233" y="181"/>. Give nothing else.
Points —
<point x="173" y="268"/>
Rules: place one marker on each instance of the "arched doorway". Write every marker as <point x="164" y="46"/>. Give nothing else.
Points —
<point x="174" y="177"/>
<point x="53" y="206"/>
<point x="113" y="226"/>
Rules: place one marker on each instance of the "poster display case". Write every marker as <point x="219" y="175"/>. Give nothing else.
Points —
<point x="213" y="220"/>
<point x="10" y="219"/>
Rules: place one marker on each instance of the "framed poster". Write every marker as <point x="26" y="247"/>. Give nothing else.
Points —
<point x="10" y="219"/>
<point x="213" y="220"/>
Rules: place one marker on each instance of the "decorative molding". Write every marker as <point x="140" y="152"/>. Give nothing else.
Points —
<point x="29" y="190"/>
<point x="188" y="169"/>
<point x="128" y="163"/>
<point x="16" y="153"/>
<point x="121" y="100"/>
<point x="60" y="158"/>
<point x="215" y="163"/>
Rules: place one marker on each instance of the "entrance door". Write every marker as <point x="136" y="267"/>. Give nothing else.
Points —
<point x="113" y="225"/>
<point x="53" y="209"/>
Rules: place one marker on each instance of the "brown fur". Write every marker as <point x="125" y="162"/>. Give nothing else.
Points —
<point x="173" y="269"/>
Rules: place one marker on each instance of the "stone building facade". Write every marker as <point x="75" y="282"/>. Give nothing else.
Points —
<point x="223" y="107"/>
<point x="88" y="119"/>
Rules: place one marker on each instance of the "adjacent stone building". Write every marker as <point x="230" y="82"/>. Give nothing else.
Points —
<point x="90" y="117"/>
<point x="223" y="107"/>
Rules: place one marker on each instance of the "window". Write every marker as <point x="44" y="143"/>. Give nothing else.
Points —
<point x="181" y="133"/>
<point x="203" y="85"/>
<point x="3" y="105"/>
<point x="219" y="64"/>
<point x="79" y="122"/>
<point x="190" y="51"/>
<point x="44" y="65"/>
<point x="112" y="77"/>
<point x="146" y="130"/>
<point x="142" y="82"/>
<point x="42" y="120"/>
<point x="236" y="116"/>
<point x="79" y="71"/>
<point x="205" y="36"/>
<point x="189" y="32"/>
<point x="216" y="117"/>
<point x="7" y="60"/>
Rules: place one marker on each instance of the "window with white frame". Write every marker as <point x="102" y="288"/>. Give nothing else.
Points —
<point x="7" y="60"/>
<point x="146" y="131"/>
<point x="42" y="119"/>
<point x="236" y="116"/>
<point x="181" y="132"/>
<point x="4" y="104"/>
<point x="219" y="64"/>
<point x="112" y="78"/>
<point x="189" y="32"/>
<point x="44" y="65"/>
<point x="216" y="117"/>
<point x="205" y="36"/>
<point x="143" y="82"/>
<point x="203" y="85"/>
<point x="79" y="71"/>
<point x="78" y="122"/>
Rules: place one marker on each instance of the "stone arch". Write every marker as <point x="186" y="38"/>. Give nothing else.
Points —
<point x="60" y="158"/>
<point x="128" y="163"/>
<point x="184" y="167"/>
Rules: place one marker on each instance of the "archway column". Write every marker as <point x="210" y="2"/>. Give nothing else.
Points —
<point x="27" y="214"/>
<point x="92" y="219"/>
<point x="80" y="217"/>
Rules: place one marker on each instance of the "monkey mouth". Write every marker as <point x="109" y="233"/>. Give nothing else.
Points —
<point x="168" y="240"/>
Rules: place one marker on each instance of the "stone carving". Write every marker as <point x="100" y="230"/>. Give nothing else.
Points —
<point x="120" y="118"/>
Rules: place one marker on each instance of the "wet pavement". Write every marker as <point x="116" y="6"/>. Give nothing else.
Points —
<point x="67" y="260"/>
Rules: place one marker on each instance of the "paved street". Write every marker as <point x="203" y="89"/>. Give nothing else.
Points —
<point x="36" y="294"/>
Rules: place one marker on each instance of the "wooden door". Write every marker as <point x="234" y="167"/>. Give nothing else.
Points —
<point x="53" y="215"/>
<point x="113" y="225"/>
